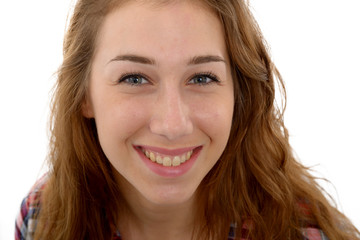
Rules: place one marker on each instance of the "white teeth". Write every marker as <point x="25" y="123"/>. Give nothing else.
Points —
<point x="176" y="161"/>
<point x="188" y="155"/>
<point x="167" y="161"/>
<point x="183" y="158"/>
<point x="159" y="159"/>
<point x="152" y="156"/>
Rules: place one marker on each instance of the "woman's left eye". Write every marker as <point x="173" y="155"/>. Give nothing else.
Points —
<point x="203" y="79"/>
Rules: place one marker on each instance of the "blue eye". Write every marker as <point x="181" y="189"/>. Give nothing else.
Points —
<point x="133" y="79"/>
<point x="203" y="79"/>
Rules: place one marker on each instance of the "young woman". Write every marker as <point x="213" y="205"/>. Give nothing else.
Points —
<point x="164" y="127"/>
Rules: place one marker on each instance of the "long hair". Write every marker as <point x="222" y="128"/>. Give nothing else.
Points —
<point x="257" y="182"/>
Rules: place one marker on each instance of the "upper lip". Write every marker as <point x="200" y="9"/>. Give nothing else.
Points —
<point x="165" y="151"/>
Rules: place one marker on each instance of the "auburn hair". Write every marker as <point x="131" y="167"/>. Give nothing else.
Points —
<point x="257" y="181"/>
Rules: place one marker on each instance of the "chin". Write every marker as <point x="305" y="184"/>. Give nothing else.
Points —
<point x="171" y="195"/>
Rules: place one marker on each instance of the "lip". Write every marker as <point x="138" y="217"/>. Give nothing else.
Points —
<point x="169" y="172"/>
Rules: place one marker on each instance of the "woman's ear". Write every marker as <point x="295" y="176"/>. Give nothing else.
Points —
<point x="87" y="108"/>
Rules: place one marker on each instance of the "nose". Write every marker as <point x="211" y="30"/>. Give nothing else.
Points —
<point x="170" y="117"/>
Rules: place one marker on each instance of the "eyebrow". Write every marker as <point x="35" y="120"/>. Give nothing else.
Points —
<point x="134" y="58"/>
<point x="145" y="60"/>
<point x="205" y="59"/>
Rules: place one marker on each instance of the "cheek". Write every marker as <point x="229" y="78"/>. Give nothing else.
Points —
<point x="214" y="117"/>
<point x="119" y="119"/>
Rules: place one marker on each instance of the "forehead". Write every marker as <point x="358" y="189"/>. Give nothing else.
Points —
<point x="175" y="28"/>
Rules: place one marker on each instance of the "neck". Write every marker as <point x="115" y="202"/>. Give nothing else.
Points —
<point x="143" y="219"/>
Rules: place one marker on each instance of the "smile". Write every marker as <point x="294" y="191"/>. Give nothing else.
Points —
<point x="169" y="163"/>
<point x="167" y="160"/>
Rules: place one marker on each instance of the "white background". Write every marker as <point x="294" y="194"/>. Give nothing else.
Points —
<point x="315" y="44"/>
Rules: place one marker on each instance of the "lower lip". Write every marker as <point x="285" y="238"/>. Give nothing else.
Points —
<point x="170" y="172"/>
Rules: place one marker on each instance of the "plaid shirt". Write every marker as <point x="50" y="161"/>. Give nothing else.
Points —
<point x="26" y="221"/>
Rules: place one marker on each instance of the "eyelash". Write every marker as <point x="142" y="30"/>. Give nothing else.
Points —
<point x="213" y="77"/>
<point x="126" y="76"/>
<point x="210" y="75"/>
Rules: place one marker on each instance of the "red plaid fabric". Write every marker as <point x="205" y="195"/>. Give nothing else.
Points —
<point x="30" y="206"/>
<point x="26" y="221"/>
<point x="314" y="234"/>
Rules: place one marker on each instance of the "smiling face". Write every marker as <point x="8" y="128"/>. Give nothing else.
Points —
<point x="161" y="94"/>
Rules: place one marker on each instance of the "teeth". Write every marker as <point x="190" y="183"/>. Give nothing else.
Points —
<point x="183" y="159"/>
<point x="159" y="160"/>
<point x="176" y="161"/>
<point x="188" y="155"/>
<point x="168" y="161"/>
<point x="152" y="156"/>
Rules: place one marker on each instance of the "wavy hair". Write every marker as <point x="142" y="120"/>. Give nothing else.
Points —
<point x="257" y="181"/>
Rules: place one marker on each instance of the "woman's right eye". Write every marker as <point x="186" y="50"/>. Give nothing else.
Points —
<point x="133" y="79"/>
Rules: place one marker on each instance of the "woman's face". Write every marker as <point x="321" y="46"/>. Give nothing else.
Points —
<point x="161" y="94"/>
